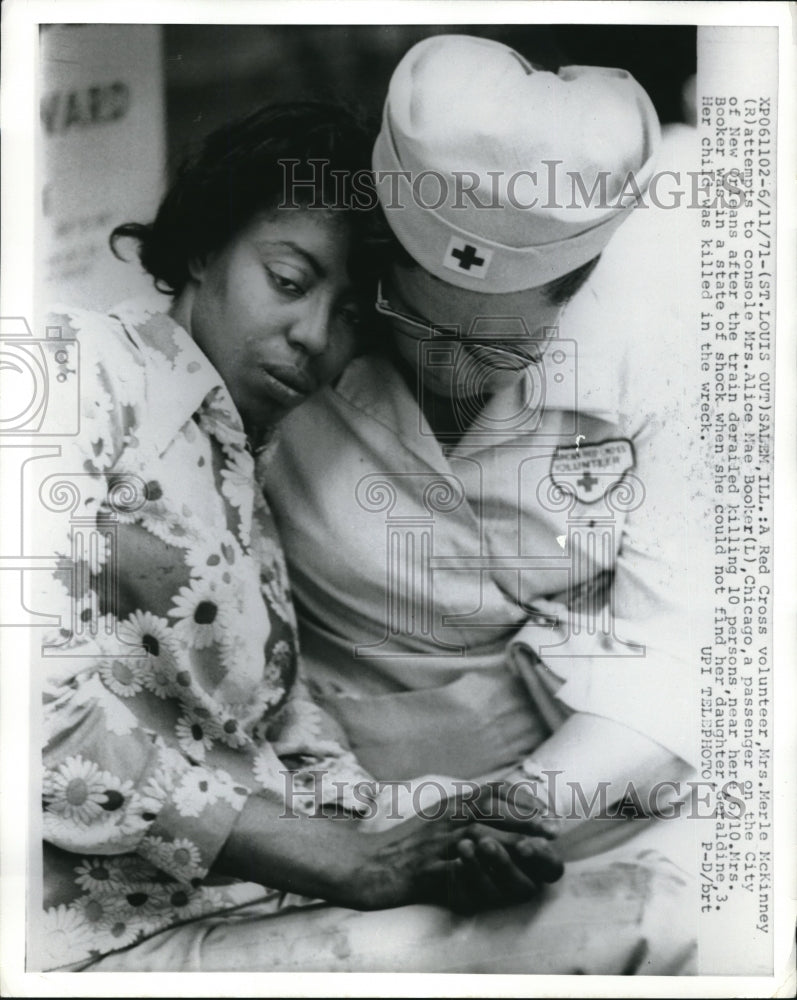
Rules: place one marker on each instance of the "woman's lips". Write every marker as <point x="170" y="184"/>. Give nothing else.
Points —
<point x="287" y="384"/>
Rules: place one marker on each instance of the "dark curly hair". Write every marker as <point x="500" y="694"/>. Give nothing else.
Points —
<point x="245" y="167"/>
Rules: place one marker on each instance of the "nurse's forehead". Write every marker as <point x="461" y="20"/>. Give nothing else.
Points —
<point x="428" y="295"/>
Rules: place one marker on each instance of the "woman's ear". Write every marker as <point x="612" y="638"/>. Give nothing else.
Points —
<point x="196" y="268"/>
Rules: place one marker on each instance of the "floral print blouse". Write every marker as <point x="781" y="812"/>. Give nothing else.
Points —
<point x="171" y="691"/>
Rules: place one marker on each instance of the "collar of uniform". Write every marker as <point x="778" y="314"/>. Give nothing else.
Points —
<point x="174" y="359"/>
<point x="374" y="386"/>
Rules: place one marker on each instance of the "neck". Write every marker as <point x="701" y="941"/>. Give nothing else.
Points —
<point x="180" y="310"/>
<point x="443" y="414"/>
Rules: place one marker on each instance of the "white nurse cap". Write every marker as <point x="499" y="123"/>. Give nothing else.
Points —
<point x="497" y="176"/>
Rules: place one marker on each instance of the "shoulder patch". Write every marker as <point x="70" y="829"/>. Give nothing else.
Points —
<point x="589" y="470"/>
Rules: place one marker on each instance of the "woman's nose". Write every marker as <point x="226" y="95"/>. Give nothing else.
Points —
<point x="310" y="328"/>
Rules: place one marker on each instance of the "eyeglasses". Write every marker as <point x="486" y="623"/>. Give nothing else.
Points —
<point x="442" y="332"/>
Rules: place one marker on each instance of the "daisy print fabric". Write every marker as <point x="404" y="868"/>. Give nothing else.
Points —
<point x="172" y="689"/>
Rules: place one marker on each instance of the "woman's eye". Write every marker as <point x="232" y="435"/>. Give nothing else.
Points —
<point x="352" y="317"/>
<point x="289" y="284"/>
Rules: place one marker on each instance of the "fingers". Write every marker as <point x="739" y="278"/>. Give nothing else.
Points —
<point x="513" y="808"/>
<point x="537" y="859"/>
<point x="501" y="805"/>
<point x="483" y="875"/>
<point x="471" y="887"/>
<point x="468" y="867"/>
<point x="509" y="880"/>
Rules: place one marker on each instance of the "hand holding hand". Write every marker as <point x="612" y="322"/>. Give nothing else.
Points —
<point x="456" y="861"/>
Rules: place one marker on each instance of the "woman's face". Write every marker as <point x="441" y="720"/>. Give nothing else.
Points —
<point x="275" y="310"/>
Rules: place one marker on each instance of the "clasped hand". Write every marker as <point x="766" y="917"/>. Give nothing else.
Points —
<point x="478" y="852"/>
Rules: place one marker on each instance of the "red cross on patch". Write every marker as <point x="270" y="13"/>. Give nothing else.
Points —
<point x="588" y="470"/>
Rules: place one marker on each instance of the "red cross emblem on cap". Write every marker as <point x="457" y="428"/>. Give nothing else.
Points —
<point x="467" y="258"/>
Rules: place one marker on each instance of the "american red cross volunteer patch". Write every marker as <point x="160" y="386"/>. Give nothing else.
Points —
<point x="589" y="470"/>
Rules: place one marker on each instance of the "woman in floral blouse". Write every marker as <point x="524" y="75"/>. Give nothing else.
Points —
<point x="184" y="764"/>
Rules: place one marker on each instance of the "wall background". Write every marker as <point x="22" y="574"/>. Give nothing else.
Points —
<point x="217" y="71"/>
<point x="102" y="155"/>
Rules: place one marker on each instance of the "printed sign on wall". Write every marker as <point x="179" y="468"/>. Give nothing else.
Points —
<point x="102" y="128"/>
